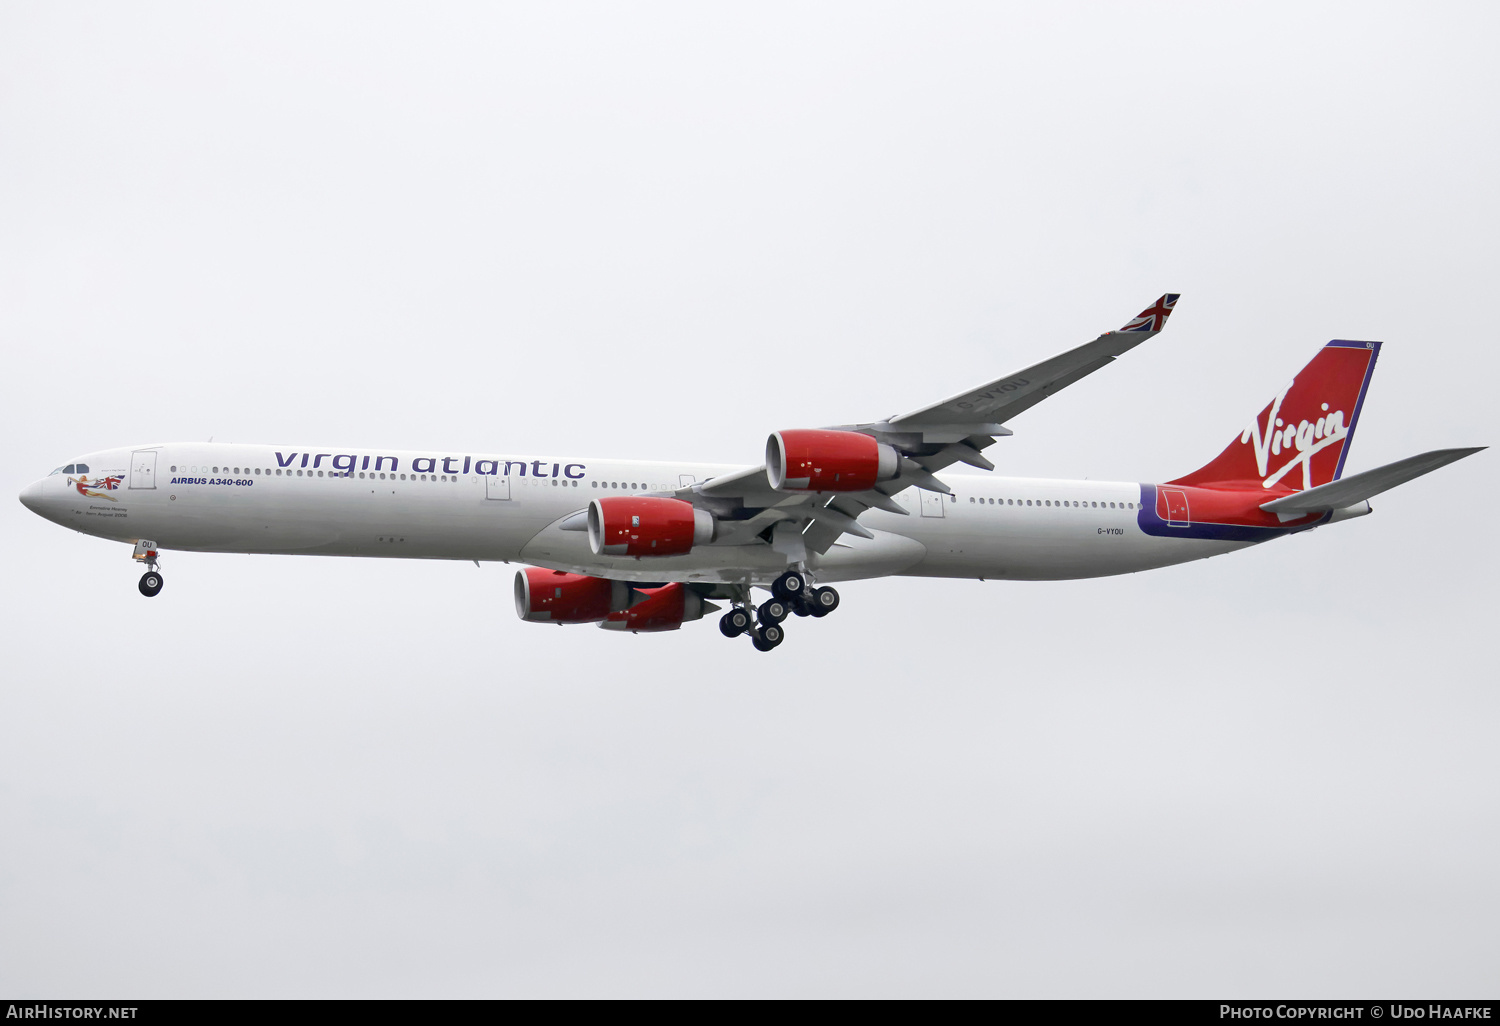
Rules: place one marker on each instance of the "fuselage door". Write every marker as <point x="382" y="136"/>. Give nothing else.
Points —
<point x="1177" y="507"/>
<point x="143" y="469"/>
<point x="496" y="487"/>
<point x="685" y="480"/>
<point x="932" y="503"/>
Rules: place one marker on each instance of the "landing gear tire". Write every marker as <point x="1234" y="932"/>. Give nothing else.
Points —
<point x="150" y="583"/>
<point x="734" y="623"/>
<point x="789" y="585"/>
<point x="824" y="601"/>
<point x="768" y="637"/>
<point x="773" y="612"/>
<point x="801" y="608"/>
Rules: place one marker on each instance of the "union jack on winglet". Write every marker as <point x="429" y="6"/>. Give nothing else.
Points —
<point x="1155" y="317"/>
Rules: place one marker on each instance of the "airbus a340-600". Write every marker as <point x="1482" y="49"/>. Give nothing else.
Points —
<point x="636" y="546"/>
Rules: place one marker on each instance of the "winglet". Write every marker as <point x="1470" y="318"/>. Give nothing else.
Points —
<point x="1154" y="318"/>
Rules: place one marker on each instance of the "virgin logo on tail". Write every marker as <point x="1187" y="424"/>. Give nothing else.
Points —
<point x="1306" y="438"/>
<point x="1316" y="411"/>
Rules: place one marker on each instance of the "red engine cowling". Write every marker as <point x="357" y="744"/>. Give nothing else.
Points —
<point x="551" y="596"/>
<point x="663" y="609"/>
<point x="627" y="525"/>
<point x="828" y="461"/>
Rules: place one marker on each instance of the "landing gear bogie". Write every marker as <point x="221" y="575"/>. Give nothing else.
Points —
<point x="773" y="612"/>
<point x="789" y="585"/>
<point x="823" y="601"/>
<point x="768" y="637"/>
<point x="734" y="623"/>
<point x="791" y="594"/>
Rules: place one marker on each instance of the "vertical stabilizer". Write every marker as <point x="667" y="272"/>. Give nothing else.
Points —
<point x="1301" y="438"/>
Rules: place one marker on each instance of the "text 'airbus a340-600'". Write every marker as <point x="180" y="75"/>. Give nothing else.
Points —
<point x="648" y="546"/>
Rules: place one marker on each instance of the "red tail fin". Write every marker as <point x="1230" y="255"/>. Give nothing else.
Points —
<point x="1300" y="439"/>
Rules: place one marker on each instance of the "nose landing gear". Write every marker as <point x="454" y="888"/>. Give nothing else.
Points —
<point x="151" y="582"/>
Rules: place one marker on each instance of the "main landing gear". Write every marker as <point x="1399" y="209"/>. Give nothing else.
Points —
<point x="790" y="593"/>
<point x="151" y="581"/>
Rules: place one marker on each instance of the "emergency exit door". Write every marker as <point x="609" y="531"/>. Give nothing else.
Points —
<point x="932" y="503"/>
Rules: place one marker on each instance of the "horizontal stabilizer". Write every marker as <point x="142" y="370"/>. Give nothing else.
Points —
<point x="1356" y="488"/>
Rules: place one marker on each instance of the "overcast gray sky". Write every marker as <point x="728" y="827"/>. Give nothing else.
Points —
<point x="662" y="231"/>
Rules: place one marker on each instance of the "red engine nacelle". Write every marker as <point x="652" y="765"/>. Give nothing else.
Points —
<point x="551" y="596"/>
<point x="828" y="461"/>
<point x="627" y="525"/>
<point x="663" y="609"/>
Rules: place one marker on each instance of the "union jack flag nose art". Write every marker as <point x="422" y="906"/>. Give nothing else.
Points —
<point x="1155" y="318"/>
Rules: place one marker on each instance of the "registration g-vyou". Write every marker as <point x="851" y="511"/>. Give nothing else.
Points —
<point x="647" y="546"/>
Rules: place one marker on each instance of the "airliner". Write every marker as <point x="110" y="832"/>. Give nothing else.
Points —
<point x="648" y="546"/>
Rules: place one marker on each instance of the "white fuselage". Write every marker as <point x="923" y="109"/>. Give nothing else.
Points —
<point x="218" y="497"/>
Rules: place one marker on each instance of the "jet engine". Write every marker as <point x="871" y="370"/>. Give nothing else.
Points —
<point x="663" y="609"/>
<point x="828" y="461"/>
<point x="633" y="525"/>
<point x="552" y="596"/>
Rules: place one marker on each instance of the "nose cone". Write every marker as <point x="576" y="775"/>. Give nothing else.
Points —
<point x="31" y="496"/>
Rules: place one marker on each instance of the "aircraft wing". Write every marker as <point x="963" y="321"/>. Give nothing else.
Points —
<point x="995" y="402"/>
<point x="928" y="440"/>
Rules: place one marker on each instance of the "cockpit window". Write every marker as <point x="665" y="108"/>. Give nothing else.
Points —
<point x="80" y="468"/>
<point x="72" y="468"/>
